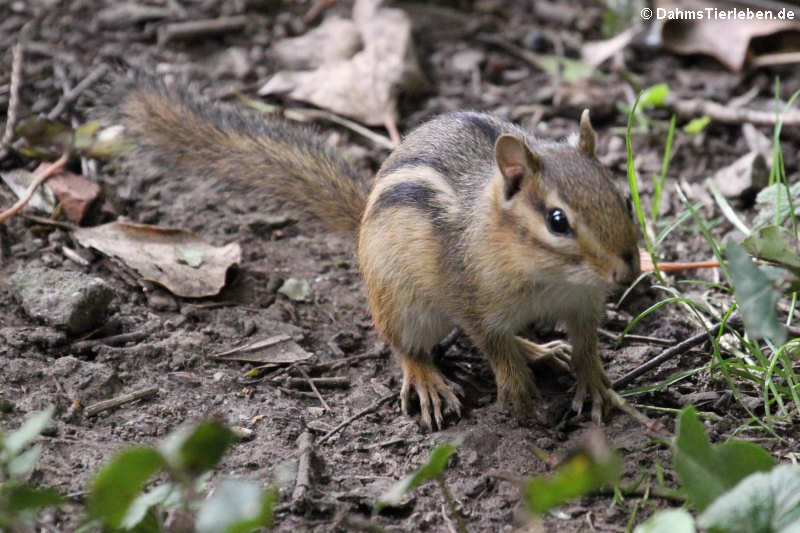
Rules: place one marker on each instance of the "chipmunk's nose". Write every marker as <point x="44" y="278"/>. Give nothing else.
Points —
<point x="627" y="267"/>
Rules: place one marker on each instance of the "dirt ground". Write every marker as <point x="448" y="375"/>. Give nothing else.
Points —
<point x="43" y="366"/>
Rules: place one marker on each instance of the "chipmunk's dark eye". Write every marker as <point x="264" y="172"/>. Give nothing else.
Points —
<point x="557" y="222"/>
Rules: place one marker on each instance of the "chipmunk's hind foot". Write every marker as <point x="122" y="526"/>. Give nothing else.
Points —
<point x="431" y="387"/>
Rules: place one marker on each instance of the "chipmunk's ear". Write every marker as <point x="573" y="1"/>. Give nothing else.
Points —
<point x="516" y="163"/>
<point x="587" y="139"/>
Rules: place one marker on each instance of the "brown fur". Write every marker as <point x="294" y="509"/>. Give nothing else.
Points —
<point x="282" y="158"/>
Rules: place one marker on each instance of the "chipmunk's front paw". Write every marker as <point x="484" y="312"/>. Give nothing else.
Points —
<point x="431" y="386"/>
<point x="597" y="386"/>
<point x="556" y="353"/>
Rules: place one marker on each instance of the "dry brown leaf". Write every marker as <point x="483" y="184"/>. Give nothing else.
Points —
<point x="75" y="194"/>
<point x="278" y="349"/>
<point x="160" y="255"/>
<point x="726" y="40"/>
<point x="365" y="85"/>
<point x="336" y="39"/>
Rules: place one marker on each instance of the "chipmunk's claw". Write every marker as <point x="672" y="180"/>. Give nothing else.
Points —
<point x="597" y="390"/>
<point x="431" y="387"/>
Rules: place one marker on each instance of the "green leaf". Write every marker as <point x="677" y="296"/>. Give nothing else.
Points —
<point x="119" y="483"/>
<point x="580" y="475"/>
<point x="654" y="96"/>
<point x="24" y="497"/>
<point x="236" y="507"/>
<point x="761" y="502"/>
<point x="24" y="463"/>
<point x="706" y="471"/>
<point x="776" y="244"/>
<point x="45" y="137"/>
<point x="137" y="510"/>
<point x="196" y="449"/>
<point x="668" y="521"/>
<point x="30" y="429"/>
<point x="430" y="470"/>
<point x="696" y="125"/>
<point x="756" y="296"/>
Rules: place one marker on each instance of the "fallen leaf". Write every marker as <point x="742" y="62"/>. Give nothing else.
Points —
<point x="278" y="349"/>
<point x="152" y="251"/>
<point x="722" y="38"/>
<point x="365" y="85"/>
<point x="19" y="180"/>
<point x="75" y="194"/>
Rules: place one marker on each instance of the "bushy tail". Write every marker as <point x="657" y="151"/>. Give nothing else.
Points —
<point x="282" y="158"/>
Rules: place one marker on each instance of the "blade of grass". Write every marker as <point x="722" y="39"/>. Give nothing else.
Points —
<point x="658" y="181"/>
<point x="634" y="186"/>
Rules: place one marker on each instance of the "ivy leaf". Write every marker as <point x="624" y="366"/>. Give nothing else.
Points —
<point x="120" y="482"/>
<point x="668" y="521"/>
<point x="236" y="507"/>
<point x="755" y="294"/>
<point x="706" y="472"/>
<point x="197" y="449"/>
<point x="763" y="501"/>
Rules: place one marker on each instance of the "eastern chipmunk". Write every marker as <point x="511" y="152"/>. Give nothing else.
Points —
<point x="470" y="222"/>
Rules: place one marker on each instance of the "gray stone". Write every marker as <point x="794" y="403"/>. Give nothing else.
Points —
<point x="72" y="301"/>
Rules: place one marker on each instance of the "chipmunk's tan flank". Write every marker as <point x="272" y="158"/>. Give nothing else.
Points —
<point x="470" y="222"/>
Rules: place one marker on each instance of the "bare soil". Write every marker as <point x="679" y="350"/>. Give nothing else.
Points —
<point x="42" y="366"/>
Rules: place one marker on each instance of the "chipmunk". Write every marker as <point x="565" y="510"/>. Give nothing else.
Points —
<point x="470" y="222"/>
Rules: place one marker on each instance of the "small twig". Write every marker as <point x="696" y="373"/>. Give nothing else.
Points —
<point x="104" y="405"/>
<point x="76" y="91"/>
<point x="347" y="361"/>
<point x="305" y="445"/>
<point x="13" y="99"/>
<point x="332" y="382"/>
<point x="371" y="408"/>
<point x="654" y="427"/>
<point x="391" y="126"/>
<point x="112" y="340"/>
<point x="668" y="354"/>
<point x="310" y="114"/>
<point x="50" y="222"/>
<point x="732" y="115"/>
<point x="638" y="338"/>
<point x="40" y="177"/>
<point x="194" y="29"/>
<point x="314" y="388"/>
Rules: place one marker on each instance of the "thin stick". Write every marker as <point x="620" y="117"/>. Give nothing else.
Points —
<point x="13" y="99"/>
<point x="314" y="388"/>
<point x="193" y="29"/>
<point x="305" y="444"/>
<point x="668" y="354"/>
<point x="76" y="91"/>
<point x="332" y="382"/>
<point x="732" y="115"/>
<point x="104" y="405"/>
<point x="113" y="340"/>
<point x="304" y="113"/>
<point x="371" y="408"/>
<point x="654" y="427"/>
<point x="43" y="175"/>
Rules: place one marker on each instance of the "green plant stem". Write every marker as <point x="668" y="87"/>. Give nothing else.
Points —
<point x="451" y="504"/>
